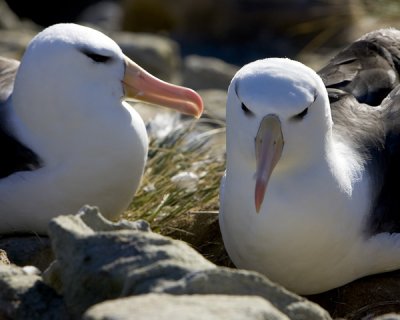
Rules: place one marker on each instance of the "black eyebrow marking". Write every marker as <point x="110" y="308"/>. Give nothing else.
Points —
<point x="303" y="113"/>
<point x="96" y="57"/>
<point x="300" y="115"/>
<point x="246" y="110"/>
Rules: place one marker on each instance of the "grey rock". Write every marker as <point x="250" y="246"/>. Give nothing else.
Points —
<point x="207" y="73"/>
<point x="226" y="281"/>
<point x="3" y="257"/>
<point x="157" y="54"/>
<point x="98" y="260"/>
<point x="93" y="219"/>
<point x="25" y="296"/>
<point x="25" y="250"/>
<point x="196" y="307"/>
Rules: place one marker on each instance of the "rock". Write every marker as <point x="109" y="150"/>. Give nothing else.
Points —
<point x="207" y="73"/>
<point x="196" y="307"/>
<point x="3" y="257"/>
<point x="226" y="281"/>
<point x="157" y="54"/>
<point x="98" y="260"/>
<point x="25" y="296"/>
<point x="25" y="250"/>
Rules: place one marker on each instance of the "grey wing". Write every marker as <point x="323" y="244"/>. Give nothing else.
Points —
<point x="14" y="155"/>
<point x="368" y="68"/>
<point x="366" y="74"/>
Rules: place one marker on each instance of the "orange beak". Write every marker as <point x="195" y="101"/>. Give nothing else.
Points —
<point x="269" y="146"/>
<point x="141" y="85"/>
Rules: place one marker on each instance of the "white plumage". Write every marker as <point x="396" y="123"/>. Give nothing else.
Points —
<point x="67" y="108"/>
<point x="298" y="195"/>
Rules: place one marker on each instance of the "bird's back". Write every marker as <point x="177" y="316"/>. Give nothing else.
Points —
<point x="364" y="90"/>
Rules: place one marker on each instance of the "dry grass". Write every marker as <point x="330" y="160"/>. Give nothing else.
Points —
<point x="160" y="200"/>
<point x="185" y="212"/>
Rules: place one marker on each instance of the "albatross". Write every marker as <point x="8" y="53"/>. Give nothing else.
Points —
<point x="310" y="193"/>
<point x="67" y="135"/>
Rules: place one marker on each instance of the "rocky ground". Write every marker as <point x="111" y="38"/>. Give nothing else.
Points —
<point x="91" y="268"/>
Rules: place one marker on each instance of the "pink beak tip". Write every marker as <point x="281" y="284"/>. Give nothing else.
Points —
<point x="198" y="101"/>
<point x="259" y="194"/>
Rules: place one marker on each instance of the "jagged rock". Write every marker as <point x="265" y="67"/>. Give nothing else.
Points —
<point x="3" y="257"/>
<point x="226" y="281"/>
<point x="28" y="250"/>
<point x="196" y="307"/>
<point x="207" y="73"/>
<point x="157" y="54"/>
<point x="98" y="260"/>
<point x="24" y="295"/>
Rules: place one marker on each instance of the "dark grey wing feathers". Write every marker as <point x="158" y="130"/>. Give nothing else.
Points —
<point x="364" y="69"/>
<point x="14" y="155"/>
<point x="363" y="87"/>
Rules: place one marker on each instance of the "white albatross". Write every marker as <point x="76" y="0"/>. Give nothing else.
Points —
<point x="309" y="197"/>
<point x="67" y="136"/>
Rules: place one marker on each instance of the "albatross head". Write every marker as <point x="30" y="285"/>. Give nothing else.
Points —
<point x="71" y="73"/>
<point x="278" y="118"/>
<point x="67" y="58"/>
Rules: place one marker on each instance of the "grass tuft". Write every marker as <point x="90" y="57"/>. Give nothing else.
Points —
<point x="185" y="150"/>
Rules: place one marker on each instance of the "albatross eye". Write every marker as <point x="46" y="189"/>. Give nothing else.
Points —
<point x="246" y="110"/>
<point x="300" y="115"/>
<point x="97" y="57"/>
